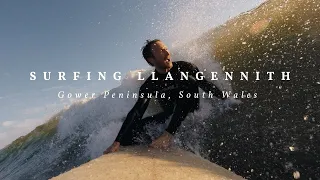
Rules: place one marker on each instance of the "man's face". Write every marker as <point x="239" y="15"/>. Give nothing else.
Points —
<point x="162" y="58"/>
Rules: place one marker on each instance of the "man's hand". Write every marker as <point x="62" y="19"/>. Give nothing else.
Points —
<point x="162" y="142"/>
<point x="113" y="148"/>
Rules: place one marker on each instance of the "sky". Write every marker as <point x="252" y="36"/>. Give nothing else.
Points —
<point x="86" y="36"/>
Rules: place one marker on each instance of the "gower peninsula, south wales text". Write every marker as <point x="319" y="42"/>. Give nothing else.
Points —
<point x="245" y="76"/>
<point x="156" y="94"/>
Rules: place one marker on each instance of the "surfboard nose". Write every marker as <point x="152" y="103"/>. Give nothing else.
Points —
<point x="143" y="163"/>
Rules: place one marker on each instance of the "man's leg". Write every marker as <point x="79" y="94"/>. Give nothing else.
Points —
<point x="137" y="134"/>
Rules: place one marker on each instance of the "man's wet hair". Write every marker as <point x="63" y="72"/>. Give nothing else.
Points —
<point x="147" y="50"/>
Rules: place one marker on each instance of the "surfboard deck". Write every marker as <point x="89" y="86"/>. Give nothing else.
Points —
<point x="143" y="163"/>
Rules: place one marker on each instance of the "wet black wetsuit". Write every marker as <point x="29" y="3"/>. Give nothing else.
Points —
<point x="172" y="104"/>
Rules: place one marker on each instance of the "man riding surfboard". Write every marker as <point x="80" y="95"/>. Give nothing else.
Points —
<point x="156" y="54"/>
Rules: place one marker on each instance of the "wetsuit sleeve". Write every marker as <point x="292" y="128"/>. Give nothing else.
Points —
<point x="182" y="109"/>
<point x="204" y="84"/>
<point x="180" y="113"/>
<point x="134" y="115"/>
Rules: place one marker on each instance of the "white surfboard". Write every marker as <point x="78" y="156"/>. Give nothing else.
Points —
<point x="143" y="163"/>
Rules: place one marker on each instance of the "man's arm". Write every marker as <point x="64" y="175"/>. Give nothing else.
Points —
<point x="180" y="113"/>
<point x="204" y="84"/>
<point x="134" y="115"/>
<point x="164" y="141"/>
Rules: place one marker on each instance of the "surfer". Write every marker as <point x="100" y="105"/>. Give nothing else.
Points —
<point x="156" y="54"/>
